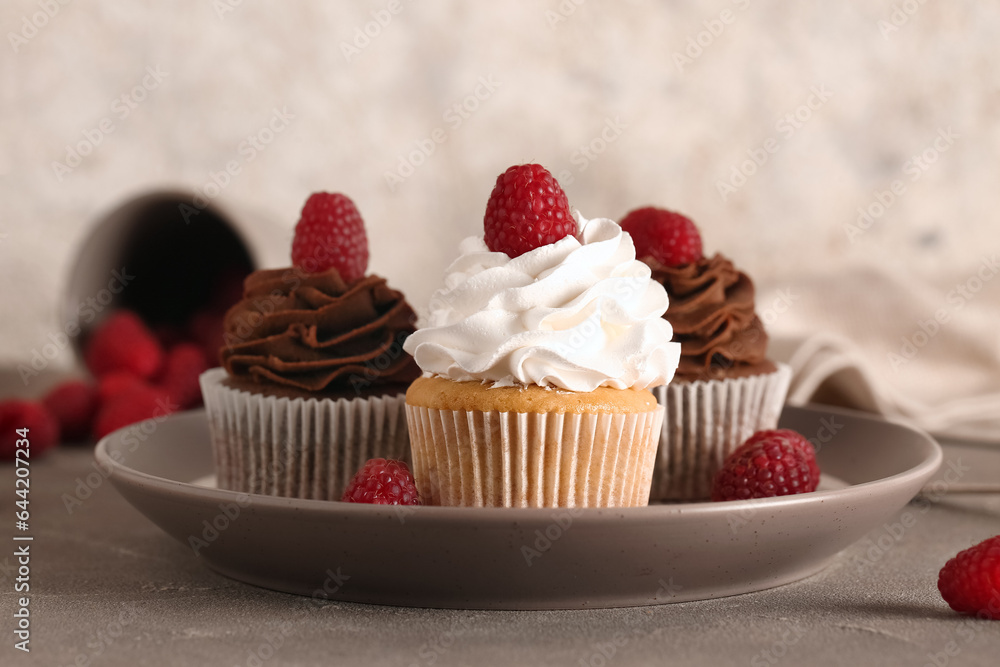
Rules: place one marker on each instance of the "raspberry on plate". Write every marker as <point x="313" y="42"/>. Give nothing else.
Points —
<point x="382" y="482"/>
<point x="970" y="582"/>
<point x="43" y="428"/>
<point x="770" y="463"/>
<point x="526" y="210"/>
<point x="124" y="343"/>
<point x="74" y="404"/>
<point x="331" y="234"/>
<point x="668" y="237"/>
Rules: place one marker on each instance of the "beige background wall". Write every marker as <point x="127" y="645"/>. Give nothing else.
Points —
<point x="552" y="79"/>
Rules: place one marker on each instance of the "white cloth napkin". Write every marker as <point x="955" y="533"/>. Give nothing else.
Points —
<point x="879" y="340"/>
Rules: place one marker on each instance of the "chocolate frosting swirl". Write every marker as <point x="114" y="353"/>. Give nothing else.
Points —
<point x="313" y="332"/>
<point x="712" y="313"/>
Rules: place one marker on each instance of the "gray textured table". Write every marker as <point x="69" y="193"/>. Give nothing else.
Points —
<point x="109" y="588"/>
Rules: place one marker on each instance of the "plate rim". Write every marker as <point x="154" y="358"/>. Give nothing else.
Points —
<point x="118" y="469"/>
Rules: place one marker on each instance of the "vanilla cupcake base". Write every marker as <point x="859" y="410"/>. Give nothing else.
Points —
<point x="514" y="459"/>
<point x="298" y="447"/>
<point x="705" y="421"/>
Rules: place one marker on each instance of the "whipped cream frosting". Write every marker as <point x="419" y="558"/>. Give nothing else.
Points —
<point x="577" y="314"/>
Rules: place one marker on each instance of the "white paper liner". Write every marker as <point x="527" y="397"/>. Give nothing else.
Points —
<point x="705" y="421"/>
<point x="514" y="459"/>
<point x="297" y="447"/>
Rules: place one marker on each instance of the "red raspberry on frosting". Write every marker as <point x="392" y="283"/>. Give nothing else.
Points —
<point x="668" y="237"/>
<point x="526" y="210"/>
<point x="331" y="235"/>
<point x="770" y="463"/>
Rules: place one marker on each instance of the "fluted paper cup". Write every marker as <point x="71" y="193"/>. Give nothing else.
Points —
<point x="296" y="447"/>
<point x="705" y="421"/>
<point x="514" y="459"/>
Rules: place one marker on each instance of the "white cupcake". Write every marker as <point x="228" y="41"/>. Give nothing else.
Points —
<point x="537" y="373"/>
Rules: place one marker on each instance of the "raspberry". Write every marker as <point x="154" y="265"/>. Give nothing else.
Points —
<point x="185" y="362"/>
<point x="669" y="238"/>
<point x="382" y="482"/>
<point x="43" y="428"/>
<point x="330" y="234"/>
<point x="123" y="343"/>
<point x="73" y="404"/>
<point x="117" y="382"/>
<point x="970" y="582"/>
<point x="526" y="210"/>
<point x="138" y="404"/>
<point x="768" y="464"/>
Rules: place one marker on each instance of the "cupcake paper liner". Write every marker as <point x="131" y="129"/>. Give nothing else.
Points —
<point x="297" y="447"/>
<point x="705" y="421"/>
<point x="513" y="459"/>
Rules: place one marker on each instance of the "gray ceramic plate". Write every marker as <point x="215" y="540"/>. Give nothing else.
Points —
<point x="525" y="558"/>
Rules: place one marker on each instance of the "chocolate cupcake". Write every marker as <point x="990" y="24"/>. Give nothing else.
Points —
<point x="314" y="373"/>
<point x="712" y="314"/>
<point x="725" y="388"/>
